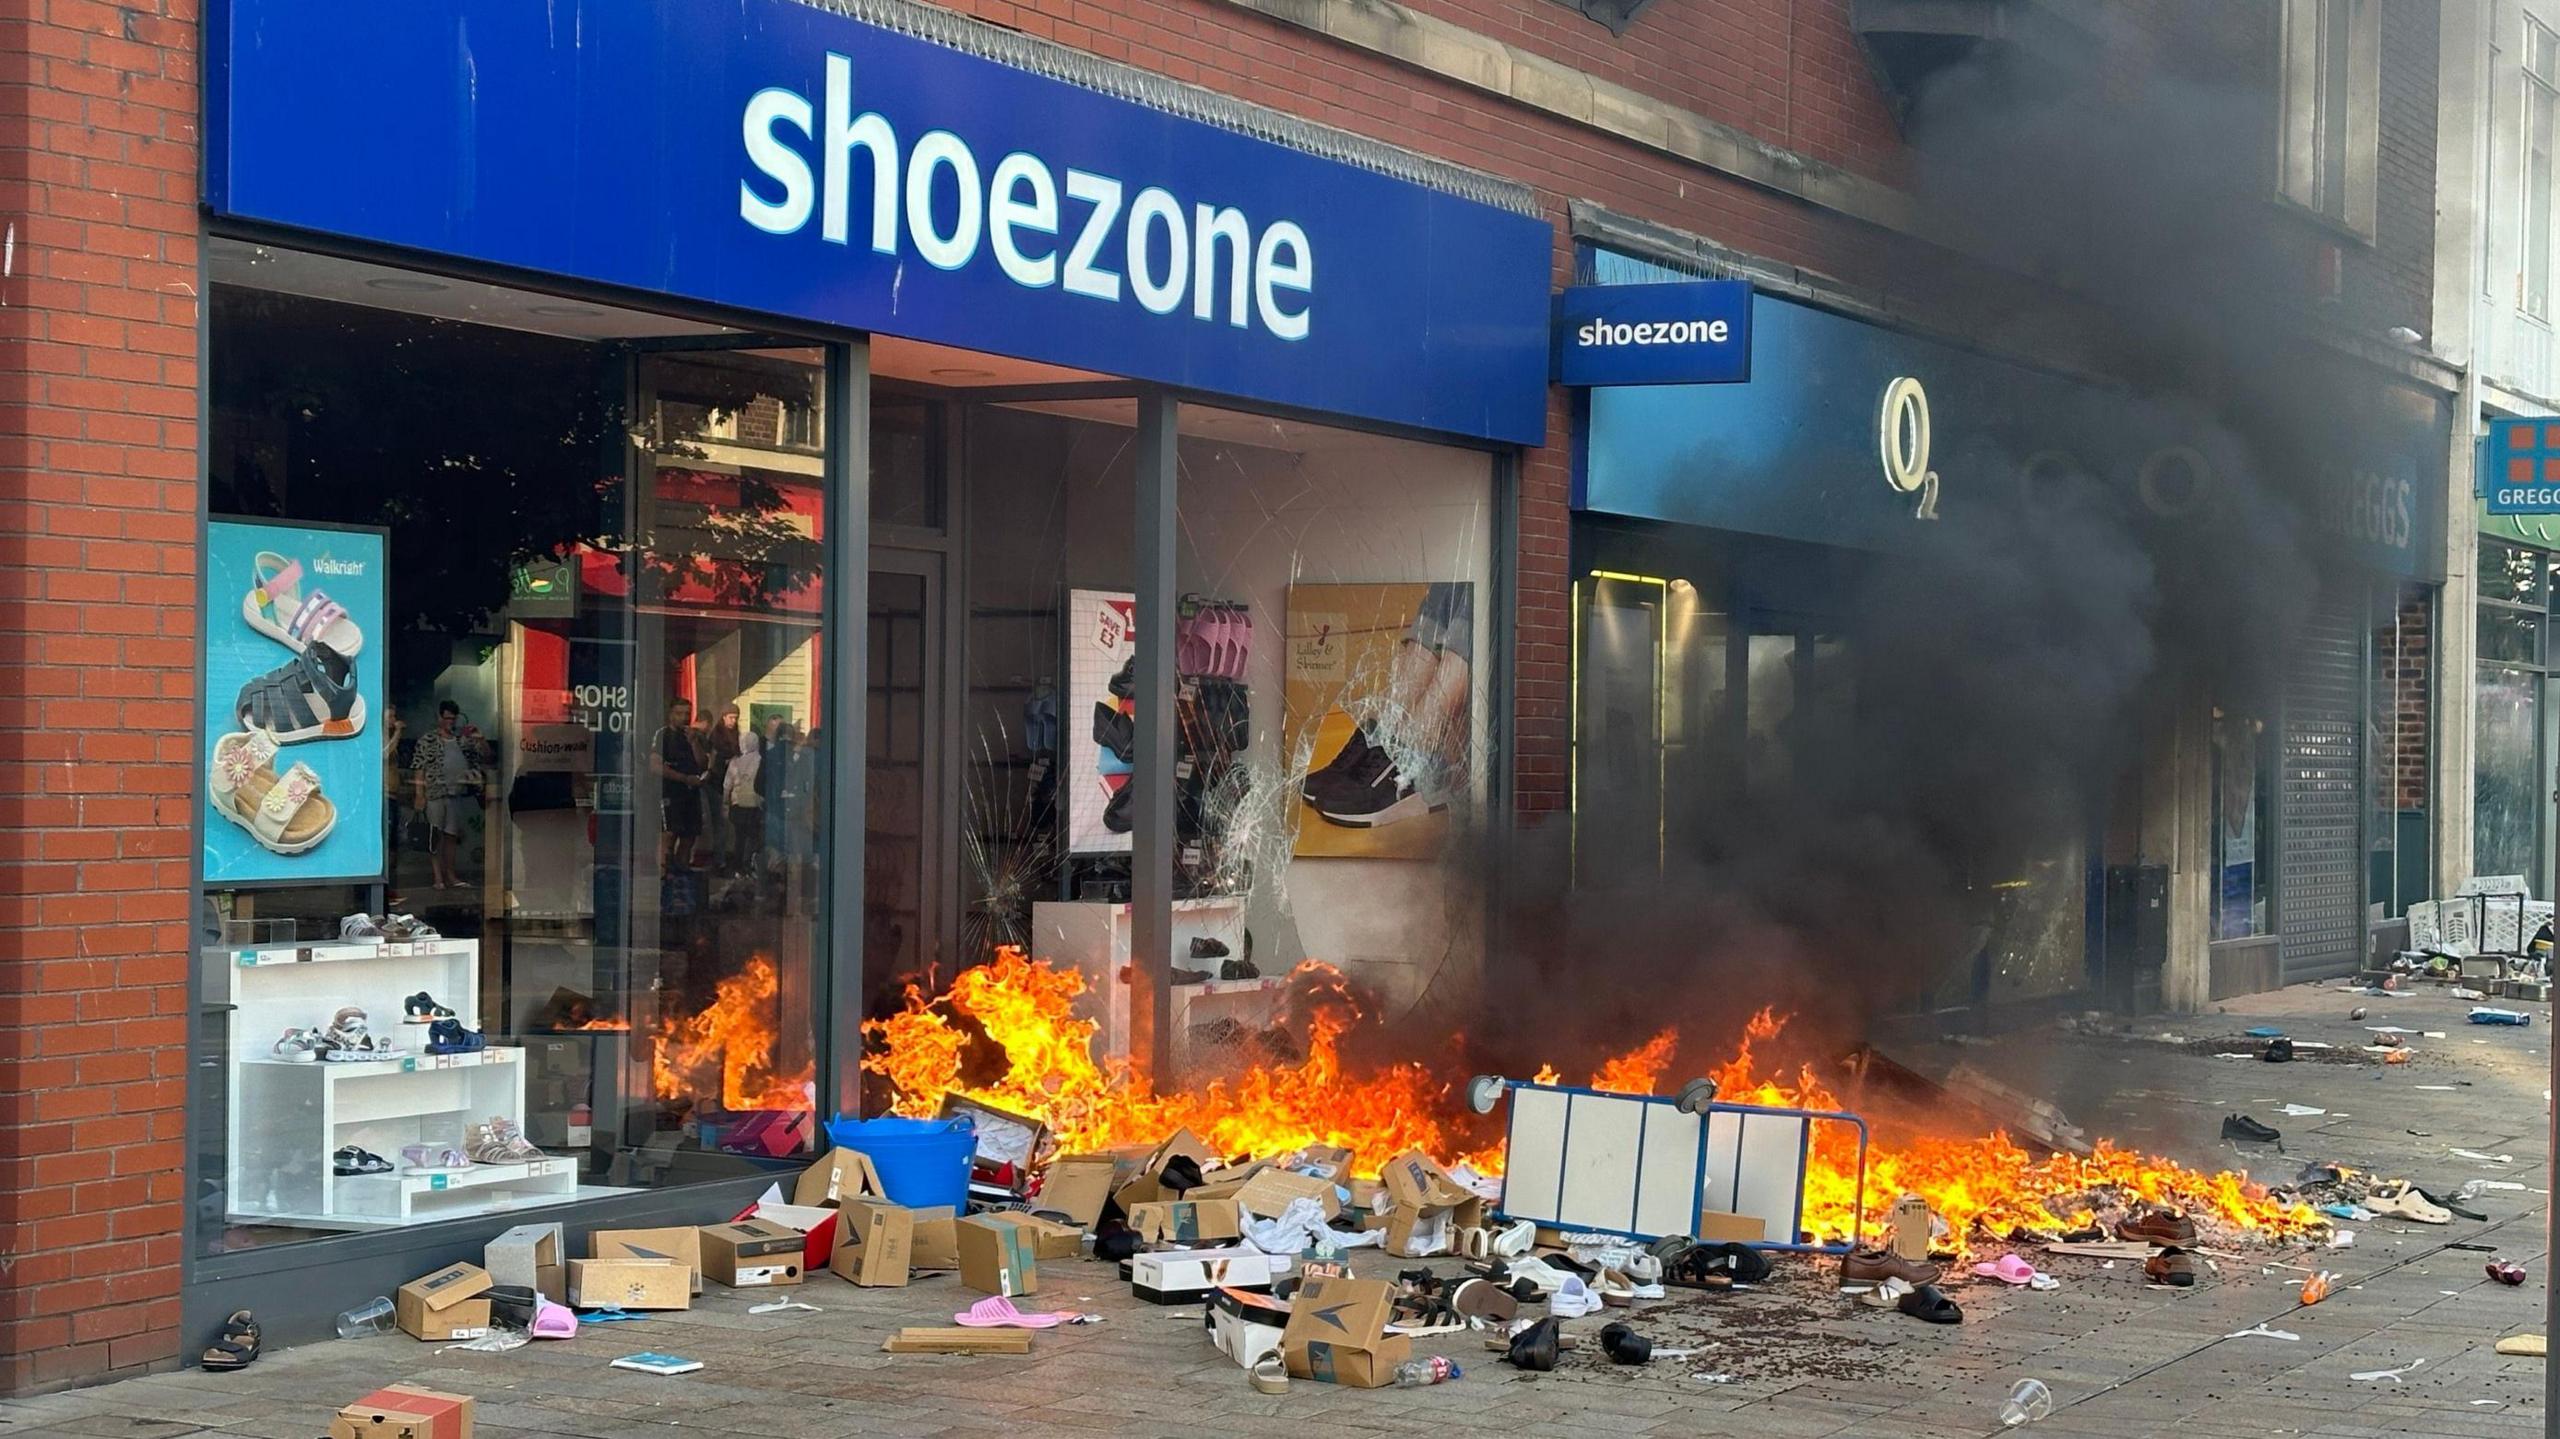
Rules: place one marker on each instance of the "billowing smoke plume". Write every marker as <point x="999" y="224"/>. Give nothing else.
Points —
<point x="1997" y="684"/>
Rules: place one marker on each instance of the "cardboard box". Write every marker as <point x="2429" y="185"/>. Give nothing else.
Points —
<point x="753" y="1253"/>
<point x="1049" y="1239"/>
<point x="448" y="1304"/>
<point x="1368" y="1194"/>
<point x="1269" y="1193"/>
<point x="815" y="1224"/>
<point x="1337" y="1333"/>
<point x="404" y="1411"/>
<point x="1144" y="1189"/>
<point x="527" y="1255"/>
<point x="1078" y="1186"/>
<point x="936" y="1242"/>
<point x="997" y="1258"/>
<point x="843" y="1174"/>
<point x="1718" y="1226"/>
<point x="677" y="1246"/>
<point x="1908" y="1225"/>
<point x="1229" y="1182"/>
<point x="630" y="1284"/>
<point x="877" y="1246"/>
<point x="1186" y="1276"/>
<point x="1244" y="1325"/>
<point x="1415" y="1181"/>
<point x="1187" y="1221"/>
<point x="1426" y="1207"/>
<point x="1332" y="1160"/>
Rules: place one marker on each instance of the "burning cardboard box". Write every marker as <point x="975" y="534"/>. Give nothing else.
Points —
<point x="1268" y="1194"/>
<point x="1337" y="1333"/>
<point x="1148" y="1187"/>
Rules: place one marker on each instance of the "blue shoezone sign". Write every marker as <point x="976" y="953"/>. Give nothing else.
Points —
<point x="1696" y="332"/>
<point x="2521" y="470"/>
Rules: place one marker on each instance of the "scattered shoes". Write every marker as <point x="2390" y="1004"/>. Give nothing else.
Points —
<point x="2165" y="1227"/>
<point x="1623" y="1345"/>
<point x="1573" y="1299"/>
<point x="359" y="926"/>
<point x="2173" y="1267"/>
<point x="2016" y="1272"/>
<point x="2248" y="1131"/>
<point x="1930" y="1305"/>
<point x="1535" y="1348"/>
<point x="1874" y="1266"/>
<point x="2397" y="1197"/>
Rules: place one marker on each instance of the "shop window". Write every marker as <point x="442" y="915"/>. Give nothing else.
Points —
<point x="2244" y="763"/>
<point x="2330" y="109"/>
<point x="591" y="753"/>
<point x="2541" y="136"/>
<point x="2396" y="749"/>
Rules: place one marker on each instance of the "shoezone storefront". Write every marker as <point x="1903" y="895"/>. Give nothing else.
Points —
<point x="1996" y="641"/>
<point x="718" y="515"/>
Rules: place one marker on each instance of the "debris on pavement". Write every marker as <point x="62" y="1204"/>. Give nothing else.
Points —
<point x="2393" y="1375"/>
<point x="2261" y="1331"/>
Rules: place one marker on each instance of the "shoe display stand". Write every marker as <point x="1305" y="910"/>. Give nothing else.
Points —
<point x="1094" y="938"/>
<point x="289" y="1116"/>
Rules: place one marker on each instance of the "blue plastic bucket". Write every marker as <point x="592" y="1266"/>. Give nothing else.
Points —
<point x="922" y="1162"/>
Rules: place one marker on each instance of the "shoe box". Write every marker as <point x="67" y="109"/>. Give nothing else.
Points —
<point x="1337" y="1333"/>
<point x="530" y="1256"/>
<point x="404" y="1411"/>
<point x="1185" y="1276"/>
<point x="754" y="1253"/>
<point x="681" y="1246"/>
<point x="451" y="1303"/>
<point x="1244" y="1325"/>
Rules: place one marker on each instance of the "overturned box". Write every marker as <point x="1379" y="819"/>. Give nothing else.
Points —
<point x="997" y="1258"/>
<point x="875" y="1244"/>
<point x="530" y="1256"/>
<point x="1337" y="1333"/>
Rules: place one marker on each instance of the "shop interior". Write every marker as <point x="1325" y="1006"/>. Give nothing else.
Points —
<point x="605" y="535"/>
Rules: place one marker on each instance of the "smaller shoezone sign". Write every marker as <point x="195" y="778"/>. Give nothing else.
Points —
<point x="2521" y="471"/>
<point x="1692" y="333"/>
<point x="292" y="761"/>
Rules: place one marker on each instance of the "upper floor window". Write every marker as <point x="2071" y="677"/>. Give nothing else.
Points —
<point x="2332" y="106"/>
<point x="2541" y="116"/>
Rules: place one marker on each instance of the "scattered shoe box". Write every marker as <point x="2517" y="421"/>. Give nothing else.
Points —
<point x="844" y="1174"/>
<point x="1337" y="1333"/>
<point x="754" y="1253"/>
<point x="876" y="1248"/>
<point x="1229" y="1182"/>
<point x="1426" y="1206"/>
<point x="1146" y="1188"/>
<point x="1717" y="1226"/>
<point x="627" y="1283"/>
<point x="1244" y="1325"/>
<point x="997" y="1258"/>
<point x="1186" y="1276"/>
<point x="1330" y="1161"/>
<point x="676" y="1246"/>
<point x="1078" y="1186"/>
<point x="1186" y="1221"/>
<point x="530" y="1256"/>
<point x="451" y="1303"/>
<point x="817" y="1226"/>
<point x="1269" y="1193"/>
<point x="404" y="1411"/>
<point x="935" y="1245"/>
<point x="1049" y="1239"/>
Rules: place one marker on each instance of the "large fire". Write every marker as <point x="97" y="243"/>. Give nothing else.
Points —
<point x="729" y="1049"/>
<point x="1985" y="1185"/>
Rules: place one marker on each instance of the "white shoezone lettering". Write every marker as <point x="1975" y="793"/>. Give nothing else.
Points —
<point x="1601" y="334"/>
<point x="944" y="204"/>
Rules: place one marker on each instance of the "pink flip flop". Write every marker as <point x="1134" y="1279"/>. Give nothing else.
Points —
<point x="999" y="1312"/>
<point x="553" y="1321"/>
<point x="2009" y="1269"/>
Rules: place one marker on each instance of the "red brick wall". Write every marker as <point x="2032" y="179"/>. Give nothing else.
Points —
<point x="98" y="524"/>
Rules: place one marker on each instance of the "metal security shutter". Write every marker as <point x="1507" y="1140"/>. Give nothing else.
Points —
<point x="2320" y="797"/>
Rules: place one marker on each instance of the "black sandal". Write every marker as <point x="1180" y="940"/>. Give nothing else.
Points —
<point x="350" y="1162"/>
<point x="1930" y="1304"/>
<point x="238" y="1346"/>
<point x="311" y="696"/>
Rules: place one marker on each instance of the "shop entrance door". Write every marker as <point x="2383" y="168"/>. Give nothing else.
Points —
<point x="905" y="813"/>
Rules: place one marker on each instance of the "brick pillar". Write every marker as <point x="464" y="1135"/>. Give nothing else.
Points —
<point x="99" y="510"/>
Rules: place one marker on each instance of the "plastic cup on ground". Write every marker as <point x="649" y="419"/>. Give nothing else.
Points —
<point x="371" y="1317"/>
<point x="2028" y="1402"/>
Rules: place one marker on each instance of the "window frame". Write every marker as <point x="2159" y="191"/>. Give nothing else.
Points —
<point x="2329" y="108"/>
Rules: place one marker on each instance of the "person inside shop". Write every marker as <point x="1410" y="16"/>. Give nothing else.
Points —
<point x="683" y="772"/>
<point x="721" y="748"/>
<point x="739" y="792"/>
<point x="446" y="775"/>
<point x="773" y="775"/>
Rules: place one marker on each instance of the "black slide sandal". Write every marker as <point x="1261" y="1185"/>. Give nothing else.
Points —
<point x="1930" y="1304"/>
<point x="237" y="1348"/>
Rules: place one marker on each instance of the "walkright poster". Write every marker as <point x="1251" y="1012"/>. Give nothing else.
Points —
<point x="1379" y="702"/>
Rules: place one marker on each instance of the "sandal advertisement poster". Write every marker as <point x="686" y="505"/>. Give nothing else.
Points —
<point x="1380" y="699"/>
<point x="293" y="645"/>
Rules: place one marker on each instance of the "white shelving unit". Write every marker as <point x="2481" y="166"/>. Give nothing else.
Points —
<point x="289" y="1116"/>
<point x="1095" y="938"/>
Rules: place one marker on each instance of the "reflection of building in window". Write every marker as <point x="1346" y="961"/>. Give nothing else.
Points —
<point x="2331" y="108"/>
<point x="2541" y="116"/>
<point x="2243" y="851"/>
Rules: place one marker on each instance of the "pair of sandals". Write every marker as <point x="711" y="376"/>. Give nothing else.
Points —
<point x="1925" y="1302"/>
<point x="1489" y="1242"/>
<point x="1689" y="1264"/>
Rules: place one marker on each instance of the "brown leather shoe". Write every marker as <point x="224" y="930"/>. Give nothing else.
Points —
<point x="1871" y="1266"/>
<point x="2171" y="1267"/>
<point x="2160" y="1226"/>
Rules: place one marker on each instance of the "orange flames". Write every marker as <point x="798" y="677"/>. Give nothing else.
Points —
<point x="1025" y="1010"/>
<point x="728" y="1049"/>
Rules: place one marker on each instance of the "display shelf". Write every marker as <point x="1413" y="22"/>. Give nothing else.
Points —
<point x="289" y="1116"/>
<point x="1095" y="939"/>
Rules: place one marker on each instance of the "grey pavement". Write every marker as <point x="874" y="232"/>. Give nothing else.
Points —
<point x="2123" y="1359"/>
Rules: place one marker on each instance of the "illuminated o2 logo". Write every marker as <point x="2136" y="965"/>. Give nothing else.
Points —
<point x="1902" y="438"/>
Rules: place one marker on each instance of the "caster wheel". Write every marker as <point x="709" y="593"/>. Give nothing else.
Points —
<point x="1484" y="1092"/>
<point x="1696" y="1096"/>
